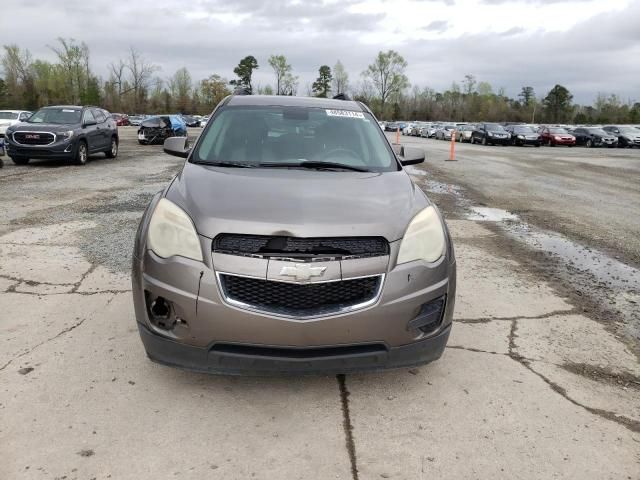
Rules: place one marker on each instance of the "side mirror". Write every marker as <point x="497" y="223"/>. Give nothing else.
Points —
<point x="88" y="123"/>
<point x="411" y="155"/>
<point x="177" y="146"/>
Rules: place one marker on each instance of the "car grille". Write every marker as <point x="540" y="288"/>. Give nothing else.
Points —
<point x="300" y="300"/>
<point x="33" y="138"/>
<point x="250" y="245"/>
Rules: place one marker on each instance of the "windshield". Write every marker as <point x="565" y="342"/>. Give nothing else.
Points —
<point x="597" y="131"/>
<point x="558" y="131"/>
<point x="494" y="127"/>
<point x="254" y="135"/>
<point x="60" y="116"/>
<point x="524" y="130"/>
<point x="622" y="130"/>
<point x="8" y="116"/>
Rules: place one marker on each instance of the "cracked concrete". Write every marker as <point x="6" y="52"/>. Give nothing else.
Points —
<point x="512" y="396"/>
<point x="484" y="294"/>
<point x="473" y="415"/>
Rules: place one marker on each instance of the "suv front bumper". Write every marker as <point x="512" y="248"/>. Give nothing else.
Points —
<point x="210" y="335"/>
<point x="264" y="360"/>
<point x="58" y="150"/>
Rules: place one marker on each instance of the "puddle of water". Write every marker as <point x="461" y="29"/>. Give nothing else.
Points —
<point x="605" y="269"/>
<point x="486" y="214"/>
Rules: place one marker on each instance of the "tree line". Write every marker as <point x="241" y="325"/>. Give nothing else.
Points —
<point x="135" y="85"/>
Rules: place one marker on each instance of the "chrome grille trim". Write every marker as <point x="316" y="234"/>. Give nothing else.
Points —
<point x="326" y="313"/>
<point x="35" y="144"/>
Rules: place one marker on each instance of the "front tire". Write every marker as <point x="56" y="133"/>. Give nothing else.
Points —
<point x="82" y="153"/>
<point x="484" y="141"/>
<point x="589" y="143"/>
<point x="113" y="151"/>
<point x="20" y="160"/>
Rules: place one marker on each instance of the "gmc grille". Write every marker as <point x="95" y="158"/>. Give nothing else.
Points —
<point x="33" y="138"/>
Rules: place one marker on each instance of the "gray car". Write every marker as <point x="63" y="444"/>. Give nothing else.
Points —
<point x="292" y="241"/>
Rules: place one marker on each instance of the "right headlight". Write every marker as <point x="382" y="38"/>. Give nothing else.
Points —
<point x="65" y="135"/>
<point x="171" y="232"/>
<point x="424" y="238"/>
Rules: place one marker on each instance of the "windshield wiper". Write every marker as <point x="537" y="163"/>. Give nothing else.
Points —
<point x="312" y="164"/>
<point x="226" y="164"/>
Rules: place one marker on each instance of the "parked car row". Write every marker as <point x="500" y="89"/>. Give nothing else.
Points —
<point x="124" y="120"/>
<point x="522" y="134"/>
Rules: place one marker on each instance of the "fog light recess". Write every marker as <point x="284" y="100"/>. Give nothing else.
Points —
<point x="161" y="312"/>
<point x="430" y="316"/>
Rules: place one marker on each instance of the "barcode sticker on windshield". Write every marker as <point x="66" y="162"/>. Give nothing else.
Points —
<point x="69" y="111"/>
<point x="345" y="113"/>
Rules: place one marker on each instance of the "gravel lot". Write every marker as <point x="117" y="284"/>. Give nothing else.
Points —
<point x="541" y="377"/>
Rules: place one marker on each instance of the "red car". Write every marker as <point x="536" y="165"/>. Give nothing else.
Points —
<point x="121" y="119"/>
<point x="553" y="136"/>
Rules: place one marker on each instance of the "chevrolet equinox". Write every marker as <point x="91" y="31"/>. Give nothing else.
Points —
<point x="292" y="241"/>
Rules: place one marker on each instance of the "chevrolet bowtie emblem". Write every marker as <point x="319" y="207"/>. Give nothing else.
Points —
<point x="302" y="271"/>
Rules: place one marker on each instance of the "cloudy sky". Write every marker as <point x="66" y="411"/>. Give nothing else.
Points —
<point x="589" y="46"/>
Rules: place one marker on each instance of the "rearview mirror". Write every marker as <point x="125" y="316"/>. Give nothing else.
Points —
<point x="177" y="146"/>
<point x="410" y="155"/>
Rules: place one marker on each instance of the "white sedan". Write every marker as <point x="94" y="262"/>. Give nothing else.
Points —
<point x="11" y="117"/>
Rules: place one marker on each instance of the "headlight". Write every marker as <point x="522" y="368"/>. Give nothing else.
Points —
<point x="424" y="238"/>
<point x="171" y="232"/>
<point x="65" y="135"/>
<point x="521" y="137"/>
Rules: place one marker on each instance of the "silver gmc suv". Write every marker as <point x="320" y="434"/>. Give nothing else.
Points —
<point x="292" y="241"/>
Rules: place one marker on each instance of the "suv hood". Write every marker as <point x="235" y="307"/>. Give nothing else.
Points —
<point x="300" y="203"/>
<point x="44" y="127"/>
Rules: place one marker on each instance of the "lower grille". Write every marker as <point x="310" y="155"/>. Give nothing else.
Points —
<point x="298" y="353"/>
<point x="300" y="300"/>
<point x="33" y="138"/>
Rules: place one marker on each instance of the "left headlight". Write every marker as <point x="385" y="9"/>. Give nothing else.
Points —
<point x="424" y="238"/>
<point x="171" y="232"/>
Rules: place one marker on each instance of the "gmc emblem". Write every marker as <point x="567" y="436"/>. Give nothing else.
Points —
<point x="31" y="135"/>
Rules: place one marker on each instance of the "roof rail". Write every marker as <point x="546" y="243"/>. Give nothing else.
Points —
<point x="241" y="91"/>
<point x="341" y="96"/>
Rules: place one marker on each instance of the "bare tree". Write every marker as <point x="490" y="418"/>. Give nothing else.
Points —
<point x="141" y="74"/>
<point x="118" y="73"/>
